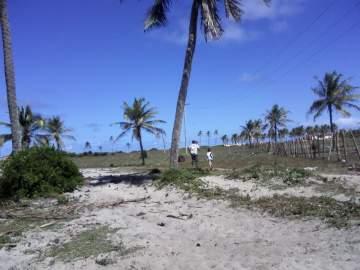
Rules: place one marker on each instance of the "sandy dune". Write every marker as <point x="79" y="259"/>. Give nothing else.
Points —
<point x="209" y="235"/>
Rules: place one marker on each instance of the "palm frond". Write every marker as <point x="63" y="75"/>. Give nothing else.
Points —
<point x="233" y="9"/>
<point x="210" y="19"/>
<point x="156" y="16"/>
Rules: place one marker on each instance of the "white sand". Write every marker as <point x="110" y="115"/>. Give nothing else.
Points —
<point x="228" y="238"/>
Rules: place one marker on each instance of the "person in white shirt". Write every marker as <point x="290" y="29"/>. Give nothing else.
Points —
<point x="194" y="148"/>
<point x="210" y="158"/>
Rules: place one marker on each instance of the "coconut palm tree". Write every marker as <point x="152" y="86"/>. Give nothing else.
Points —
<point x="30" y="126"/>
<point x="56" y="131"/>
<point x="111" y="139"/>
<point x="211" y="25"/>
<point x="257" y="129"/>
<point x="335" y="94"/>
<point x="248" y="131"/>
<point x="199" y="135"/>
<point x="10" y="77"/>
<point x="208" y="134"/>
<point x="87" y="146"/>
<point x="216" y="134"/>
<point x="225" y="139"/>
<point x="283" y="133"/>
<point x="128" y="145"/>
<point x="138" y="117"/>
<point x="234" y="138"/>
<point x="275" y="119"/>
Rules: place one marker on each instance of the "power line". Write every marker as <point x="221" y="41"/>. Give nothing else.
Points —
<point x="329" y="44"/>
<point x="300" y="34"/>
<point x="313" y="41"/>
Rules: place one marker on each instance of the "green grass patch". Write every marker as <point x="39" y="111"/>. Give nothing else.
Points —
<point x="333" y="212"/>
<point x="90" y="243"/>
<point x="289" y="176"/>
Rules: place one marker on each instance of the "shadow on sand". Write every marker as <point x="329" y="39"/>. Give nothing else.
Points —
<point x="130" y="179"/>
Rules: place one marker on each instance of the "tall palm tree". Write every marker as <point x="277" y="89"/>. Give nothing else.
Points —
<point x="234" y="138"/>
<point x="335" y="94"/>
<point x="257" y="129"/>
<point x="216" y="134"/>
<point x="248" y="131"/>
<point x="275" y="119"/>
<point x="138" y="117"/>
<point x="225" y="139"/>
<point x="10" y="77"/>
<point x="56" y="131"/>
<point x="30" y="125"/>
<point x="208" y="134"/>
<point x="283" y="133"/>
<point x="111" y="139"/>
<point x="87" y="146"/>
<point x="211" y="25"/>
<point x="199" y="135"/>
<point x="128" y="145"/>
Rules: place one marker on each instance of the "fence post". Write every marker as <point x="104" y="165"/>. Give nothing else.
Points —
<point x="357" y="148"/>
<point x="344" y="144"/>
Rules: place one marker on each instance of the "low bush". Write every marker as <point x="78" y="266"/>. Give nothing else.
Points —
<point x="38" y="171"/>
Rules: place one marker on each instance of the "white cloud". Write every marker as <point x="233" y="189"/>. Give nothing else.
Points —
<point x="348" y="122"/>
<point x="234" y="32"/>
<point x="257" y="10"/>
<point x="279" y="26"/>
<point x="248" y="77"/>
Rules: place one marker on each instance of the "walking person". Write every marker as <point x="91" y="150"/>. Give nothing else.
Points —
<point x="194" y="149"/>
<point x="210" y="158"/>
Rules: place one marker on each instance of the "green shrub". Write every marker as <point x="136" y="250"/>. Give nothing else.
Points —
<point x="186" y="179"/>
<point x="37" y="172"/>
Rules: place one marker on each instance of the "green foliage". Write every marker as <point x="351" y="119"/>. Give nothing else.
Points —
<point x="292" y="176"/>
<point x="186" y="179"/>
<point x="88" y="243"/>
<point x="38" y="171"/>
<point x="333" y="212"/>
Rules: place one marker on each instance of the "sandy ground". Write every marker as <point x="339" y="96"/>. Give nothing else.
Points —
<point x="210" y="235"/>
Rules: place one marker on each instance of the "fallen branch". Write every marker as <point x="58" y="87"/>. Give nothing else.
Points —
<point x="106" y="205"/>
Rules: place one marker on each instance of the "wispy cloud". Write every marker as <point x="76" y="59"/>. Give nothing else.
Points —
<point x="257" y="10"/>
<point x="95" y="127"/>
<point x="278" y="11"/>
<point x="248" y="77"/>
<point x="348" y="122"/>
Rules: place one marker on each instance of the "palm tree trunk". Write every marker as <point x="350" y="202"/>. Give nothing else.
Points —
<point x="10" y="77"/>
<point x="331" y="119"/>
<point x="174" y="151"/>
<point x="141" y="149"/>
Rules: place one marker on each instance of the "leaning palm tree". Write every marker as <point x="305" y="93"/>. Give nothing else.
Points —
<point x="139" y="117"/>
<point x="10" y="77"/>
<point x="56" y="131"/>
<point x="275" y="119"/>
<point x="30" y="125"/>
<point x="335" y="94"/>
<point x="211" y="25"/>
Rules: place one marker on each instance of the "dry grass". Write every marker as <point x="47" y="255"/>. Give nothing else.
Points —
<point x="226" y="158"/>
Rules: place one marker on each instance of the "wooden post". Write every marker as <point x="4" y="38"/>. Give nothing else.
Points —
<point x="344" y="144"/>
<point x="337" y="146"/>
<point x="331" y="145"/>
<point x="357" y="148"/>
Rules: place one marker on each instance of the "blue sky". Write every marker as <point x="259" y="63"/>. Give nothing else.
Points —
<point x="81" y="59"/>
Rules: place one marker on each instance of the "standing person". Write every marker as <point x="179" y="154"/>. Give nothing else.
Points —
<point x="194" y="148"/>
<point x="210" y="158"/>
